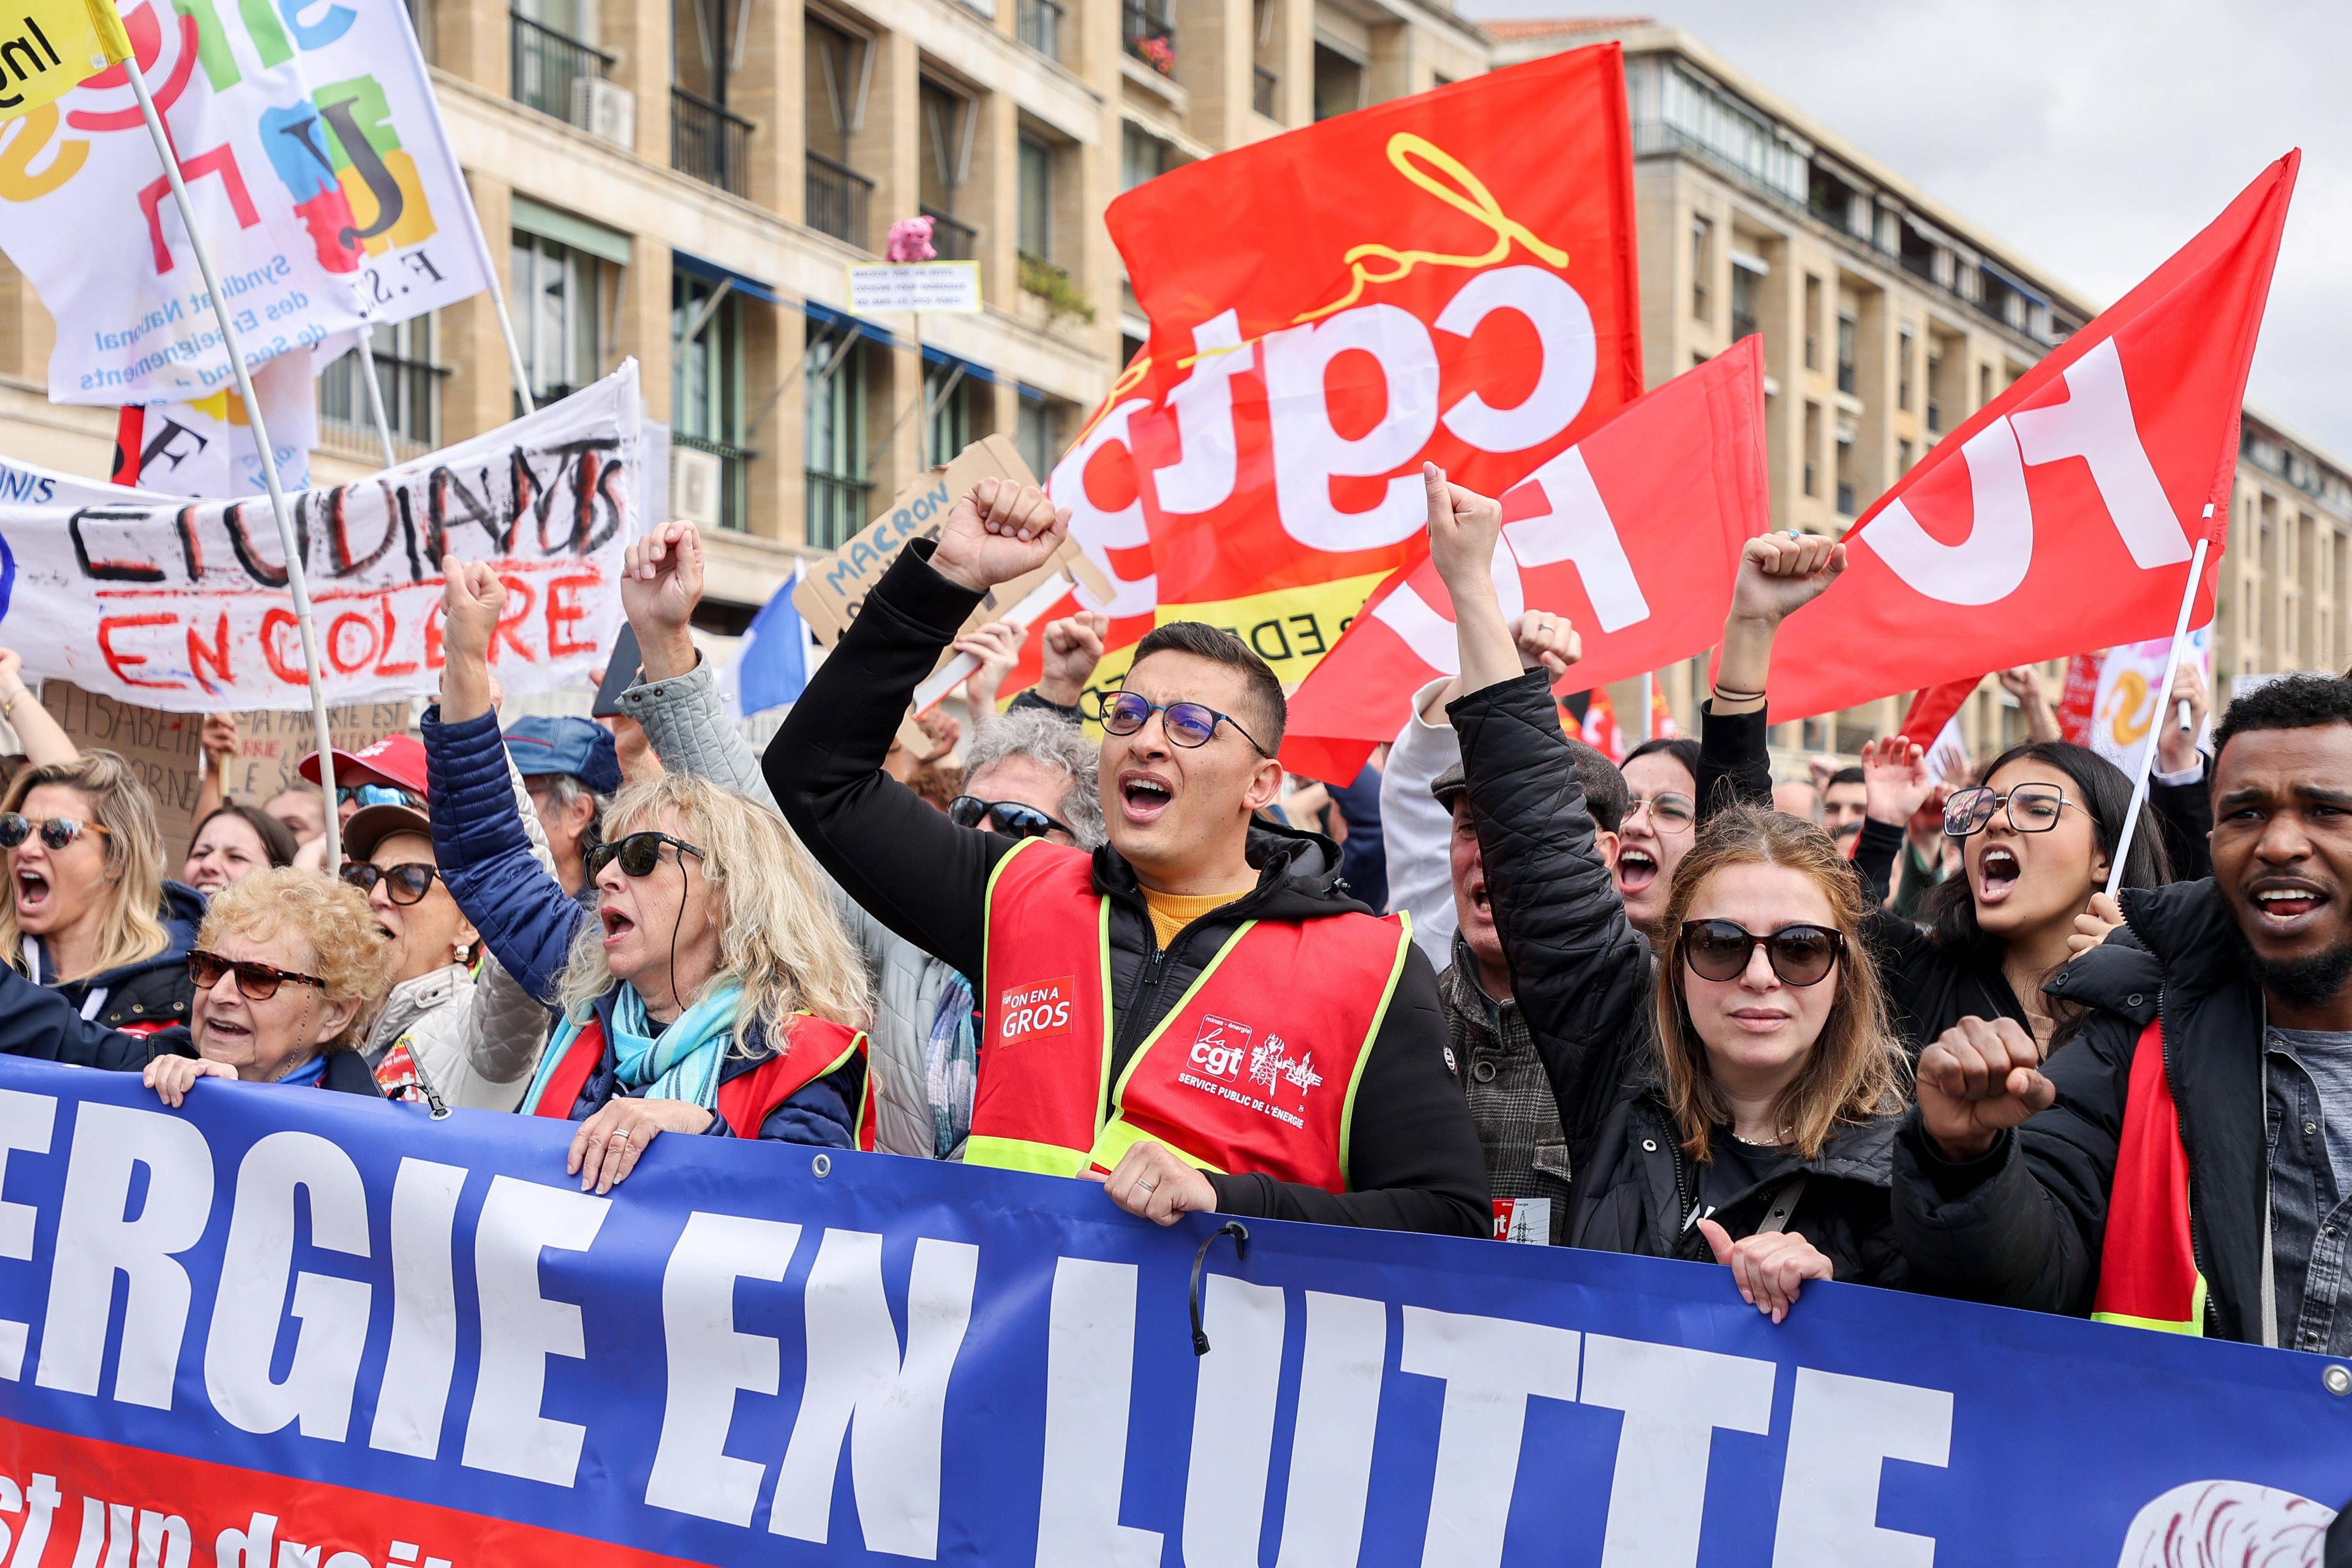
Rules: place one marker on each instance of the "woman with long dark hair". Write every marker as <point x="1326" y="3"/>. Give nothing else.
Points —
<point x="2038" y="832"/>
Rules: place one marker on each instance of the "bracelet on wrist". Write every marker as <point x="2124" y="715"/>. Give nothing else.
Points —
<point x="1725" y="694"/>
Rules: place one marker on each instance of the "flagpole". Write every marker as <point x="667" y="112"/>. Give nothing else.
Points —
<point x="1649" y="705"/>
<point x="506" y="325"/>
<point x="375" y="398"/>
<point x="296" y="580"/>
<point x="2172" y="669"/>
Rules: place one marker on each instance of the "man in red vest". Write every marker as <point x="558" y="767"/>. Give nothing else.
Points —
<point x="1197" y="1014"/>
<point x="2126" y="1178"/>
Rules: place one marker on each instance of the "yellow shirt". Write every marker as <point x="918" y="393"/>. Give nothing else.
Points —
<point x="1171" y="912"/>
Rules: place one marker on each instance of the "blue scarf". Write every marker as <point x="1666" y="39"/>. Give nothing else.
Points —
<point x="683" y="1063"/>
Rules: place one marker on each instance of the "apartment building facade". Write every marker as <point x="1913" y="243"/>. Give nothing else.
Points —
<point x="686" y="181"/>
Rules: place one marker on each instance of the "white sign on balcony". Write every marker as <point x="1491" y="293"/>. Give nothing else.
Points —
<point x="887" y="287"/>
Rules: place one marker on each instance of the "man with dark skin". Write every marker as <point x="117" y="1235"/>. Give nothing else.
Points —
<point x="2053" y="1184"/>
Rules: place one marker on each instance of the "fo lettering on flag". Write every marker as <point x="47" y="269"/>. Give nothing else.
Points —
<point x="1449" y="277"/>
<point x="1633" y="535"/>
<point x="2066" y="512"/>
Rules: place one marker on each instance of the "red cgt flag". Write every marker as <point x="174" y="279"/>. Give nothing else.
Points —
<point x="1633" y="535"/>
<point x="2067" y="510"/>
<point x="1449" y="277"/>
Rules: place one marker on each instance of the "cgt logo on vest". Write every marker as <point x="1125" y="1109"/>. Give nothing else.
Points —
<point x="1036" y="1011"/>
<point x="22" y="60"/>
<point x="1223" y="1050"/>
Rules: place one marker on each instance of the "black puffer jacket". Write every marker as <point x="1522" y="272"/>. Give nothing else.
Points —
<point x="1414" y="1152"/>
<point x="1584" y="978"/>
<point x="154" y="993"/>
<point x="2022" y="1226"/>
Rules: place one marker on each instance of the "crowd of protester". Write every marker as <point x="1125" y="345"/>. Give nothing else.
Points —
<point x="1881" y="1023"/>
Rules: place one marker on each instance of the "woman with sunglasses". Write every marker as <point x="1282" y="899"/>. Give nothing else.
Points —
<point x="88" y="911"/>
<point x="284" y="968"/>
<point x="455" y="1028"/>
<point x="1739" y="1101"/>
<point x="2038" y="834"/>
<point x="711" y="991"/>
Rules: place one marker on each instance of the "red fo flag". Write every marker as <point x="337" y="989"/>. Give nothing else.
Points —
<point x="1448" y="277"/>
<point x="1633" y="535"/>
<point x="2067" y="510"/>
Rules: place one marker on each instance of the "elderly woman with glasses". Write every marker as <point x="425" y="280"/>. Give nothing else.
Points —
<point x="711" y="991"/>
<point x="284" y="968"/>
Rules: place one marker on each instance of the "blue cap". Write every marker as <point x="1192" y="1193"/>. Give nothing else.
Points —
<point x="581" y="747"/>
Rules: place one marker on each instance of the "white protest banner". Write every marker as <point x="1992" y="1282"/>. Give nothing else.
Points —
<point x="2129" y="694"/>
<point x="158" y="601"/>
<point x="86" y="211"/>
<point x="207" y="448"/>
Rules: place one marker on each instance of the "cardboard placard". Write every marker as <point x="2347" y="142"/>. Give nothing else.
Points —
<point x="163" y="750"/>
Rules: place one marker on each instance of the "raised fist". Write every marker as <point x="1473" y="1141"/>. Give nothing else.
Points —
<point x="1979" y="1079"/>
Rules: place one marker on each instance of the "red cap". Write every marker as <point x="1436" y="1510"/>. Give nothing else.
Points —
<point x="396" y="759"/>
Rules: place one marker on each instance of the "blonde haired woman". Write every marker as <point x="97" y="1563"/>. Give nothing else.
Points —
<point x="712" y="991"/>
<point x="285" y="965"/>
<point x="88" y="912"/>
<point x="1737" y="1102"/>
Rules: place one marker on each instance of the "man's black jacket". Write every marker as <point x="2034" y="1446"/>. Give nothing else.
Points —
<point x="2022" y="1226"/>
<point x="1413" y="1156"/>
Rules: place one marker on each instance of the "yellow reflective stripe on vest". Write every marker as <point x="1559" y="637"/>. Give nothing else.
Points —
<point x="1379" y="1016"/>
<point x="1119" y="1136"/>
<point x="1173" y="1014"/>
<point x="2194" y="1328"/>
<point x="1020" y="1154"/>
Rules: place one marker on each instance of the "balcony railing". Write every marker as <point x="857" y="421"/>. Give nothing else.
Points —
<point x="734" y="478"/>
<point x="954" y="241"/>
<point x="837" y="509"/>
<point x="1148" y="34"/>
<point x="838" y="197"/>
<point x="412" y="405"/>
<point x="1041" y="26"/>
<point x="1742" y="326"/>
<point x="547" y="67"/>
<point x="710" y="141"/>
<point x="1263" y="88"/>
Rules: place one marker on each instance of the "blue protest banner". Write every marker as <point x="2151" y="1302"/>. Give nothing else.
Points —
<point x="284" y="1329"/>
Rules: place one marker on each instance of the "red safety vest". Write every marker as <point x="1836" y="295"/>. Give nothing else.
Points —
<point x="1255" y="1067"/>
<point x="812" y="1048"/>
<point x="2147" y="1265"/>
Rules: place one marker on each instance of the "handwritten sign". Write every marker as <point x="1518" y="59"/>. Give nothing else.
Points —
<point x="897" y="287"/>
<point x="180" y="606"/>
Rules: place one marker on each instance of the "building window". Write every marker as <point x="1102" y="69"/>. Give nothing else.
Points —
<point x="1902" y="457"/>
<point x="1812" y="323"/>
<point x="558" y="306"/>
<point x="706" y="387"/>
<point x="1038" y="433"/>
<point x="837" y="78"/>
<point x="1702" y="266"/>
<point x="1813" y="447"/>
<point x="834" y="387"/>
<point x="1984" y="384"/>
<point x="553" y="58"/>
<point x="1040" y="23"/>
<point x="1743" y="301"/>
<point x="1845" y="489"/>
<point x="1036" y="199"/>
<point x="1935" y="385"/>
<point x="409" y="378"/>
<point x="1845" y="330"/>
<point x="1696" y="113"/>
<point x="1141" y="156"/>
<point x="1338" y="83"/>
<point x="1903" y="370"/>
<point x="948" y="410"/>
<point x="949" y="122"/>
<point x="1148" y="32"/>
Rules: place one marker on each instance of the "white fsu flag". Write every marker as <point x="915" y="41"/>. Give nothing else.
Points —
<point x="184" y="605"/>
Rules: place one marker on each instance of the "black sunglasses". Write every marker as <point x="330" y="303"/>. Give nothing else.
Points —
<point x="1186" y="724"/>
<point x="1009" y="817"/>
<point x="255" y="982"/>
<point x="1799" y="954"/>
<point x="639" y="854"/>
<point x="404" y="884"/>
<point x="57" y="831"/>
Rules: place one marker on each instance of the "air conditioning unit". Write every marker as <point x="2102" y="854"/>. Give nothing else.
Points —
<point x="605" y="109"/>
<point x="694" y="481"/>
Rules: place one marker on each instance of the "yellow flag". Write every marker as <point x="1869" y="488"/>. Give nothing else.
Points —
<point x="48" y="47"/>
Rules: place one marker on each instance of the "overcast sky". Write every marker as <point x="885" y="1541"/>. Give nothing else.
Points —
<point x="2092" y="137"/>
